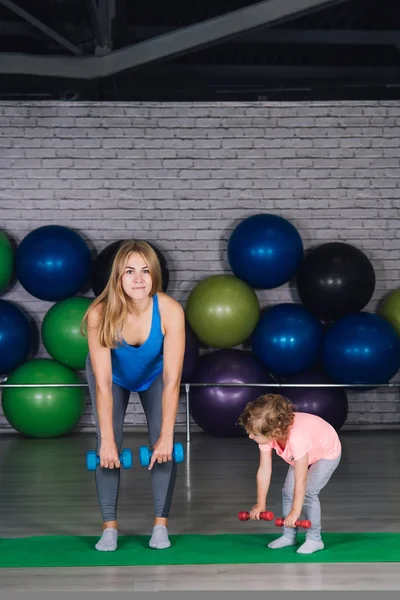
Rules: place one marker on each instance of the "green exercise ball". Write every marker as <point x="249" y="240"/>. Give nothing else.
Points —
<point x="43" y="412"/>
<point x="61" y="332"/>
<point x="390" y="310"/>
<point x="6" y="260"/>
<point x="223" y="311"/>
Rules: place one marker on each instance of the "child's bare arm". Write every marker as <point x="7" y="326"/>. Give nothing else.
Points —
<point x="264" y="473"/>
<point x="300" y="480"/>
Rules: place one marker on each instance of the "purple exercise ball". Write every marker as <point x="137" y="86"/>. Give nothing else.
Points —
<point x="329" y="403"/>
<point x="192" y="351"/>
<point x="217" y="409"/>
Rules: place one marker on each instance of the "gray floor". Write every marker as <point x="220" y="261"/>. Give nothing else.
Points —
<point x="46" y="490"/>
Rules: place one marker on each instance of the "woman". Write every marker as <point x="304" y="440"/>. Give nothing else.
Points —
<point x="136" y="337"/>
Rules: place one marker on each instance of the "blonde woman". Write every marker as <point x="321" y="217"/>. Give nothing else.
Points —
<point x="136" y="337"/>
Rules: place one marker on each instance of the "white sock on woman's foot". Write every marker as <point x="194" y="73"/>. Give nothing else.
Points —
<point x="108" y="541"/>
<point x="159" y="538"/>
<point x="282" y="542"/>
<point x="310" y="546"/>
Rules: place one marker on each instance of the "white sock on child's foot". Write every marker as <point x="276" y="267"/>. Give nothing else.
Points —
<point x="108" y="541"/>
<point x="282" y="542"/>
<point x="310" y="546"/>
<point x="159" y="538"/>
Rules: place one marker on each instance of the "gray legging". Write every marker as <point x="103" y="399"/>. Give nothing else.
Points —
<point x="163" y="475"/>
<point x="318" y="476"/>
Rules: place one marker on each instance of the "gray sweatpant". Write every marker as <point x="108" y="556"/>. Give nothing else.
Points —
<point x="318" y="476"/>
<point x="163" y="475"/>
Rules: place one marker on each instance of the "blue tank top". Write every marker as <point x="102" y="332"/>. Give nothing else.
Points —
<point x="135" y="368"/>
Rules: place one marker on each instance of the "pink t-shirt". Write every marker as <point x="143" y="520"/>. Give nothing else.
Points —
<point x="308" y="434"/>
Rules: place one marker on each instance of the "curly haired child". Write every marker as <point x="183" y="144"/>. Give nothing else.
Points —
<point x="310" y="446"/>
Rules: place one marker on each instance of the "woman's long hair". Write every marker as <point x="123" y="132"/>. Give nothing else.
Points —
<point x="113" y="300"/>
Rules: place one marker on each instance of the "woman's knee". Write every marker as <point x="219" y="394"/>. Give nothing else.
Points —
<point x="154" y="433"/>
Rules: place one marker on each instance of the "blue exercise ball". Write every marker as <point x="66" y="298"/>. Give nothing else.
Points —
<point x="287" y="339"/>
<point x="15" y="337"/>
<point x="53" y="263"/>
<point x="265" y="251"/>
<point x="361" y="348"/>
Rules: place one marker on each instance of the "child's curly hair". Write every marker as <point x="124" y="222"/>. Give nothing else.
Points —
<point x="270" y="415"/>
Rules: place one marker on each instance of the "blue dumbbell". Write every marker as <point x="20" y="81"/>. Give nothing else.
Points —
<point x="145" y="454"/>
<point x="93" y="460"/>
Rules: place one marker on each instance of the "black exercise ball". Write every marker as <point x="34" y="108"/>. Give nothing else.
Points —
<point x="102" y="266"/>
<point x="334" y="280"/>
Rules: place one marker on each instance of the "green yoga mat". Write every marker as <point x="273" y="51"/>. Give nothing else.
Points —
<point x="70" y="551"/>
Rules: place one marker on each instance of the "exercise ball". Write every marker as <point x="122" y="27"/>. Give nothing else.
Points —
<point x="15" y="337"/>
<point x="329" y="403"/>
<point x="192" y="351"/>
<point x="217" y="409"/>
<point x="223" y="311"/>
<point x="43" y="412"/>
<point x="334" y="280"/>
<point x="287" y="339"/>
<point x="265" y="251"/>
<point x="390" y="310"/>
<point x="102" y="265"/>
<point x="6" y="261"/>
<point x="53" y="263"/>
<point x="361" y="349"/>
<point x="61" y="332"/>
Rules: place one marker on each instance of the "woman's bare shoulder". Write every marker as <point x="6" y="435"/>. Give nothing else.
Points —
<point x="169" y="305"/>
<point x="95" y="315"/>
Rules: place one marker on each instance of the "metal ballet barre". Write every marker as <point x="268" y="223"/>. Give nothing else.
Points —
<point x="187" y="387"/>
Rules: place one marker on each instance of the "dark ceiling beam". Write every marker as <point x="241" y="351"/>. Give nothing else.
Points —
<point x="180" y="41"/>
<point x="210" y="31"/>
<point x="41" y="26"/>
<point x="267" y="35"/>
<point x="347" y="37"/>
<point x="102" y="13"/>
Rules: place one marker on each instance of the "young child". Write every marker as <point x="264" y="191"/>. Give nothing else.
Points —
<point x="312" y="448"/>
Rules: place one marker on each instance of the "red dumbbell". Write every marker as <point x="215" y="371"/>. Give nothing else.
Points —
<point x="304" y="523"/>
<point x="266" y="515"/>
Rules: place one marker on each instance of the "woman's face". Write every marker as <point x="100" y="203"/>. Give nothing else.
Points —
<point x="136" y="278"/>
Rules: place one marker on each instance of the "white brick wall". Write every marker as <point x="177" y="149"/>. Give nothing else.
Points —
<point x="183" y="175"/>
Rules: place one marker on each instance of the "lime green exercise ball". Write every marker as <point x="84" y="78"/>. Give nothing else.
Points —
<point x="223" y="311"/>
<point x="43" y="412"/>
<point x="6" y="261"/>
<point x="61" y="332"/>
<point x="390" y="309"/>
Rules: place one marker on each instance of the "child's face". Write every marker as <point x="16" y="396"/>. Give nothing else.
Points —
<point x="259" y="439"/>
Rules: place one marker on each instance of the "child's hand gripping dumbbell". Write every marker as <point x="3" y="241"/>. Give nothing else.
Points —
<point x="300" y="523"/>
<point x="265" y="515"/>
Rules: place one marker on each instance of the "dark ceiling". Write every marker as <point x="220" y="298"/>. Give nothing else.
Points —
<point x="198" y="50"/>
